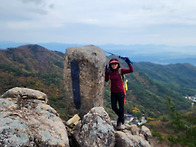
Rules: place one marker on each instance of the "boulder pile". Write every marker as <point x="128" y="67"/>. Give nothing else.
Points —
<point x="27" y="120"/>
<point x="97" y="130"/>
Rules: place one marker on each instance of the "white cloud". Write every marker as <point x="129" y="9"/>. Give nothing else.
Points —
<point x="101" y="21"/>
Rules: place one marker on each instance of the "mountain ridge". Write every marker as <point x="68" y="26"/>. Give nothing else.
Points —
<point x="161" y="54"/>
<point x="42" y="69"/>
<point x="35" y="53"/>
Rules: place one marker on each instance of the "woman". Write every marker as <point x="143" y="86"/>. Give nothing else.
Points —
<point x="117" y="90"/>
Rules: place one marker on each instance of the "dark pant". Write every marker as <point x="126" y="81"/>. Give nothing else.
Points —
<point x="117" y="101"/>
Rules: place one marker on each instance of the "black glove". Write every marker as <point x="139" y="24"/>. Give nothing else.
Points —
<point x="107" y="68"/>
<point x="127" y="60"/>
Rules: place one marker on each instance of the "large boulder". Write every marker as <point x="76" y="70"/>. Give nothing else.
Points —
<point x="27" y="120"/>
<point x="84" y="79"/>
<point x="95" y="130"/>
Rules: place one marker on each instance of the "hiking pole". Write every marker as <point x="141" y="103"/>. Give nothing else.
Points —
<point x="117" y="56"/>
<point x="124" y="58"/>
<point x="111" y="53"/>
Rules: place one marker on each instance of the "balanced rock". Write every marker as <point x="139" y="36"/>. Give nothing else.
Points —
<point x="95" y="130"/>
<point x="27" y="120"/>
<point x="84" y="79"/>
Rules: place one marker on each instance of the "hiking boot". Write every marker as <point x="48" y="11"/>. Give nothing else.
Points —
<point x="119" y="125"/>
<point x="123" y="121"/>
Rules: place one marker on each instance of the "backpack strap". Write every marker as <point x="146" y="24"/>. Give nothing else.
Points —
<point x="121" y="75"/>
<point x="122" y="78"/>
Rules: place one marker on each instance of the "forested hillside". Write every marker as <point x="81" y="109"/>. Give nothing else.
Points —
<point x="150" y="85"/>
<point x="180" y="77"/>
<point x="33" y="58"/>
<point x="35" y="67"/>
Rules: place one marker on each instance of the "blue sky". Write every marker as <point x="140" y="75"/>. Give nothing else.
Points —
<point x="169" y="22"/>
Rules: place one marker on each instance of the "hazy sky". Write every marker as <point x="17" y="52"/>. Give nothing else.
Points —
<point x="171" y="22"/>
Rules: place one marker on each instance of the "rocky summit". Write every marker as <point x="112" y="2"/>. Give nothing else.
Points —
<point x="27" y="120"/>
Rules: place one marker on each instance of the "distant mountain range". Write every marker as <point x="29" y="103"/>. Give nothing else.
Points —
<point x="161" y="54"/>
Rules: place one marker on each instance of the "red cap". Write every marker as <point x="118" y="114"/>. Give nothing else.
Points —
<point x="114" y="61"/>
